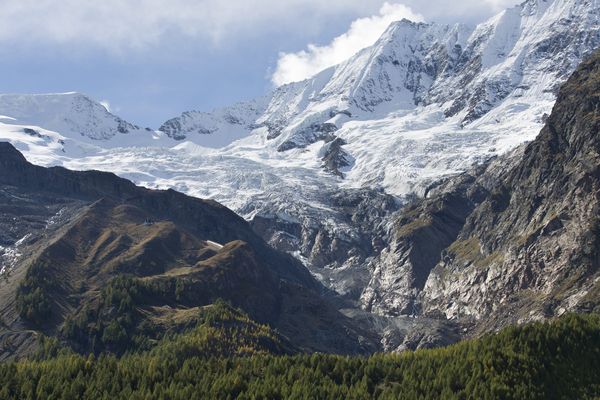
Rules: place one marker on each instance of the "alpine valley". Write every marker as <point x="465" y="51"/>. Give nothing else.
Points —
<point x="439" y="185"/>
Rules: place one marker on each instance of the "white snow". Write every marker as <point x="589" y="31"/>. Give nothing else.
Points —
<point x="10" y="255"/>
<point x="216" y="245"/>
<point x="386" y="101"/>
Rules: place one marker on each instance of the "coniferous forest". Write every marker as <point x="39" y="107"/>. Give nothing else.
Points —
<point x="228" y="356"/>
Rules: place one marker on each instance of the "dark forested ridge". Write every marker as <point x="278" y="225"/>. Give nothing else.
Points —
<point x="552" y="360"/>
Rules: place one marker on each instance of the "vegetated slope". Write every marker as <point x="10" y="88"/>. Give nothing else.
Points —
<point x="555" y="360"/>
<point x="101" y="261"/>
<point x="513" y="240"/>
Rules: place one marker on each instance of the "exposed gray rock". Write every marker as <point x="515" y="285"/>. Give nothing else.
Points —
<point x="335" y="158"/>
<point x="512" y="241"/>
<point x="311" y="134"/>
<point x="336" y="249"/>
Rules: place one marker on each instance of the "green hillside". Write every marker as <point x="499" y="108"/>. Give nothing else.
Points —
<point x="229" y="356"/>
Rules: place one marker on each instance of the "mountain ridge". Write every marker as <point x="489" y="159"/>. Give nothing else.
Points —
<point x="91" y="236"/>
<point x="512" y="241"/>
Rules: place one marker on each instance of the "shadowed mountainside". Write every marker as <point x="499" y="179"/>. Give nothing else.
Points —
<point x="97" y="261"/>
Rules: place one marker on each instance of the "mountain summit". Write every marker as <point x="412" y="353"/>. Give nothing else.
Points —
<point x="523" y="52"/>
<point x="72" y="114"/>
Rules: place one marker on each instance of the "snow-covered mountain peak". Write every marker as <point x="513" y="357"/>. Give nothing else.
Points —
<point x="533" y="7"/>
<point x="523" y="52"/>
<point x="394" y="74"/>
<point x="466" y="71"/>
<point x="219" y="127"/>
<point x="72" y="114"/>
<point x="527" y="50"/>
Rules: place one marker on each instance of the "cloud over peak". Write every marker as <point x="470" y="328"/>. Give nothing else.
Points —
<point x="363" y="32"/>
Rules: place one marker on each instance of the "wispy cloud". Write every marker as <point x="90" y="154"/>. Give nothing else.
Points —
<point x="121" y="25"/>
<point x="363" y="32"/>
<point x="124" y="25"/>
<point x="296" y="66"/>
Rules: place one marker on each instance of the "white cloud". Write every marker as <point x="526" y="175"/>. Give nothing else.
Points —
<point x="499" y="5"/>
<point x="123" y="25"/>
<point x="105" y="104"/>
<point x="363" y="32"/>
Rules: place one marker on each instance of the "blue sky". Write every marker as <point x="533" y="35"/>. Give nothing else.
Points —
<point x="151" y="60"/>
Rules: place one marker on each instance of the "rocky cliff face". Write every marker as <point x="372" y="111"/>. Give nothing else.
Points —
<point x="337" y="246"/>
<point x="512" y="241"/>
